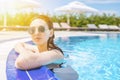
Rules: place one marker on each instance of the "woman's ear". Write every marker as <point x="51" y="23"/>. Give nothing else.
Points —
<point x="51" y="32"/>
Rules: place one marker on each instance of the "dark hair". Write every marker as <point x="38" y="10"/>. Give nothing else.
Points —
<point x="49" y="22"/>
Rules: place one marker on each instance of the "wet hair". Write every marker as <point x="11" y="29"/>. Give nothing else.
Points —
<point x="50" y="43"/>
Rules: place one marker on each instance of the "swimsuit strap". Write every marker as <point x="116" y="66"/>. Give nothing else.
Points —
<point x="52" y="66"/>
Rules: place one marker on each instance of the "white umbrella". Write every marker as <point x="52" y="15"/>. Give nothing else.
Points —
<point x="6" y="5"/>
<point x="79" y="7"/>
<point x="75" y="7"/>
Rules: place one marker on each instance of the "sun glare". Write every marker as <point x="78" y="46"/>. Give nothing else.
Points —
<point x="7" y="6"/>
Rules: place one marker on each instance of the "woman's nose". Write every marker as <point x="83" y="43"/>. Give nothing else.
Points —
<point x="36" y="31"/>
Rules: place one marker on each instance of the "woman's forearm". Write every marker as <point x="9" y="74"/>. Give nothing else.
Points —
<point x="30" y="60"/>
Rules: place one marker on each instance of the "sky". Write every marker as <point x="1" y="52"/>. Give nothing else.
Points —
<point x="103" y="6"/>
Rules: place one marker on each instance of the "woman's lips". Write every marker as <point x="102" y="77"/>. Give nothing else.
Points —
<point x="37" y="38"/>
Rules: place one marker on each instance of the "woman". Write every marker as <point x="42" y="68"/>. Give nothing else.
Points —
<point x="44" y="52"/>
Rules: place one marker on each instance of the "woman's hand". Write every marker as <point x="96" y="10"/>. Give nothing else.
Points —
<point x="31" y="48"/>
<point x="19" y="47"/>
<point x="22" y="47"/>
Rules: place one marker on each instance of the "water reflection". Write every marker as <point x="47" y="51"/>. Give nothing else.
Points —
<point x="110" y="36"/>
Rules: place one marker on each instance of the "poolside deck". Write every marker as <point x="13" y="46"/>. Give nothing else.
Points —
<point x="9" y="39"/>
<point x="14" y="35"/>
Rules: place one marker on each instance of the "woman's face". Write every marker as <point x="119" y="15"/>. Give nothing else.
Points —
<point x="39" y="31"/>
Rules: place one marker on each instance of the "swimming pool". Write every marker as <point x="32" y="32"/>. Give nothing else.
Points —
<point x="93" y="57"/>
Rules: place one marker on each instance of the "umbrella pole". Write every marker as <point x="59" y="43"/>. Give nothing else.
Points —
<point x="5" y="22"/>
<point x="68" y="19"/>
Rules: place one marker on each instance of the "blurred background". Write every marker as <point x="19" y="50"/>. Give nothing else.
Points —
<point x="17" y="14"/>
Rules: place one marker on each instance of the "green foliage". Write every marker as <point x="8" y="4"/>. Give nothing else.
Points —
<point x="76" y="20"/>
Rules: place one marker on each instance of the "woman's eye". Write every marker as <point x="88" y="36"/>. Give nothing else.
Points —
<point x="41" y="29"/>
<point x="31" y="30"/>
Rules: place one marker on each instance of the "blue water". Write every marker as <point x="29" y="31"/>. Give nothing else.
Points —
<point x="94" y="58"/>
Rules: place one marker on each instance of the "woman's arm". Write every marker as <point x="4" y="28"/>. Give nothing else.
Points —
<point x="31" y="60"/>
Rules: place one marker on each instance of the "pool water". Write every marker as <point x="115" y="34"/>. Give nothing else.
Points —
<point x="95" y="57"/>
